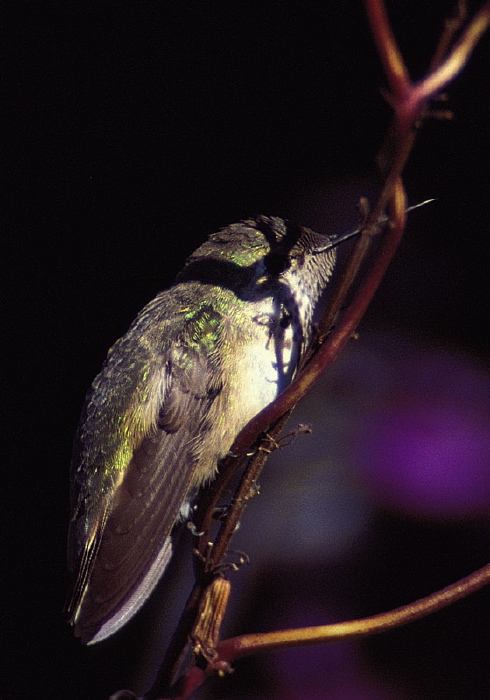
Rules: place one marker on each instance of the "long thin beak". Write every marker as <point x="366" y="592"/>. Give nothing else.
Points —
<point x="336" y="240"/>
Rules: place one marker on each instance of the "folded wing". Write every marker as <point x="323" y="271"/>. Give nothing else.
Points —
<point x="134" y="466"/>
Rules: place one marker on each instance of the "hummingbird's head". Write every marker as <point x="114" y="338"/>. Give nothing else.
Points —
<point x="264" y="250"/>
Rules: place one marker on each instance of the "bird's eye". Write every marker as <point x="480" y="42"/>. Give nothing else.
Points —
<point x="277" y="263"/>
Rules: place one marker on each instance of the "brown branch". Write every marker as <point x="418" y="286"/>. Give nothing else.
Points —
<point x="231" y="649"/>
<point x="389" y="53"/>
<point x="452" y="25"/>
<point x="210" y="558"/>
<point x="410" y="100"/>
<point x="245" y="490"/>
<point x="430" y="86"/>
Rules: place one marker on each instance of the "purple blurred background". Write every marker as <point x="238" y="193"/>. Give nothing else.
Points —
<point x="137" y="128"/>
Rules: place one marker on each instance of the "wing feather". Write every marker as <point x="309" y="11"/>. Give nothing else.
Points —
<point x="120" y="535"/>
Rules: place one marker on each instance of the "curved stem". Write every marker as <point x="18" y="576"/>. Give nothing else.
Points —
<point x="235" y="647"/>
<point x="455" y="61"/>
<point x="390" y="54"/>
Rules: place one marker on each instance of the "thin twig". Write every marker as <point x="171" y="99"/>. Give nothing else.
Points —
<point x="391" y="57"/>
<point x="409" y="100"/>
<point x="430" y="86"/>
<point x="452" y="25"/>
<point x="236" y="647"/>
<point x="209" y="560"/>
<point x="232" y="649"/>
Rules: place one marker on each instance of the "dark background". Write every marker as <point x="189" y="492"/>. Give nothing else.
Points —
<point x="134" y="129"/>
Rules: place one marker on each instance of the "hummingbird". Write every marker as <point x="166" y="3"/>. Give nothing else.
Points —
<point x="197" y="364"/>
